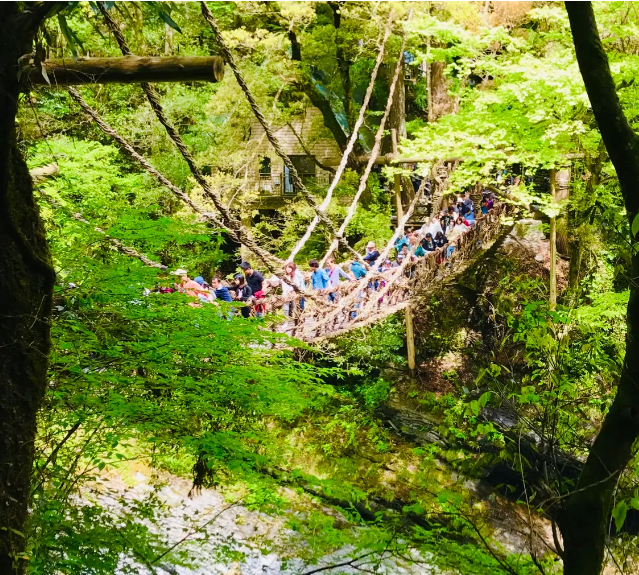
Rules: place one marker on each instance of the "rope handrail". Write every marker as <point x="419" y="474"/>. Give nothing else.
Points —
<point x="350" y="145"/>
<point x="269" y="260"/>
<point x="227" y="219"/>
<point x="363" y="182"/>
<point x="297" y="181"/>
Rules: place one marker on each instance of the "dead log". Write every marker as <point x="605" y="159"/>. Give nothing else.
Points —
<point x="128" y="70"/>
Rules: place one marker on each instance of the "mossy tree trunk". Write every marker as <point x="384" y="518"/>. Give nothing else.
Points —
<point x="585" y="518"/>
<point x="576" y="226"/>
<point x="26" y="285"/>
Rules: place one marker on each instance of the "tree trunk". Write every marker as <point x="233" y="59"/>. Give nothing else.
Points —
<point x="128" y="70"/>
<point x="168" y="40"/>
<point x="594" y="166"/>
<point x="397" y="122"/>
<point x="324" y="106"/>
<point x="26" y="285"/>
<point x="585" y="517"/>
<point x="552" y="304"/>
<point x="343" y="64"/>
<point x="397" y="117"/>
<point x="575" y="254"/>
<point x="318" y="100"/>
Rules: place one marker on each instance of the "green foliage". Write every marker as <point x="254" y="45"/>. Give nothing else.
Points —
<point x="233" y="405"/>
<point x="379" y="347"/>
<point x="375" y="393"/>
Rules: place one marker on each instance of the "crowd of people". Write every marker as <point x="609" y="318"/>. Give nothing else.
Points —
<point x="438" y="238"/>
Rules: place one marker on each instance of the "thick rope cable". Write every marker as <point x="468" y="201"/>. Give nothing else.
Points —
<point x="402" y="223"/>
<point x="408" y="260"/>
<point x="372" y="306"/>
<point x="350" y="298"/>
<point x="349" y="146"/>
<point x="297" y="181"/>
<point x="119" y="245"/>
<point x="374" y="153"/>
<point x="270" y="261"/>
<point x="229" y="220"/>
<point x="399" y="276"/>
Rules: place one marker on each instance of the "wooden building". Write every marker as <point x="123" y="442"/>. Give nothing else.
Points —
<point x="309" y="145"/>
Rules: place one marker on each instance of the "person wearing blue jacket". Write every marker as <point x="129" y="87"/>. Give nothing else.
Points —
<point x="319" y="277"/>
<point x="357" y="269"/>
<point x="401" y="241"/>
<point x="221" y="292"/>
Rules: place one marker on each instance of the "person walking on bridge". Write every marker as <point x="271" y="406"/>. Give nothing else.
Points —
<point x="319" y="277"/>
<point x="293" y="277"/>
<point x="335" y="273"/>
<point x="254" y="279"/>
<point x="371" y="255"/>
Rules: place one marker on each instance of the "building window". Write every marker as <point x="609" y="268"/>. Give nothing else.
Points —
<point x="305" y="167"/>
<point x="268" y="183"/>
<point x="265" y="166"/>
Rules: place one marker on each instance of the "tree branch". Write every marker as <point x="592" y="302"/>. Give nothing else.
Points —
<point x="348" y="563"/>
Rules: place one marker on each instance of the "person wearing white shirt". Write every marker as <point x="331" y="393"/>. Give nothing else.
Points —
<point x="292" y="276"/>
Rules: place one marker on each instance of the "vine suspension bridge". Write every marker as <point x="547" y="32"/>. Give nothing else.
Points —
<point x="354" y="304"/>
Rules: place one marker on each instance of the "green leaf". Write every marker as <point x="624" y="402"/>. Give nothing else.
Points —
<point x="619" y="514"/>
<point x="485" y="398"/>
<point x="162" y="14"/>
<point x="635" y="226"/>
<point x="69" y="35"/>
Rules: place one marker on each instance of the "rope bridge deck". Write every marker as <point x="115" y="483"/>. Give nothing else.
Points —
<point x="313" y="316"/>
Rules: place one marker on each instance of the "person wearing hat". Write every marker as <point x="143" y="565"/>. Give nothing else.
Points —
<point x="187" y="285"/>
<point x="371" y="254"/>
<point x="398" y="260"/>
<point x="254" y="279"/>
<point x="205" y="295"/>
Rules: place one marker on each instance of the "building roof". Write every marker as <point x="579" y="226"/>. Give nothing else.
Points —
<point x="310" y="128"/>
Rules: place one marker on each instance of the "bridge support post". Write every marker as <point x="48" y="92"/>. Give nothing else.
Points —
<point x="398" y="182"/>
<point x="410" y="342"/>
<point x="410" y="334"/>
<point x="552" y="304"/>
